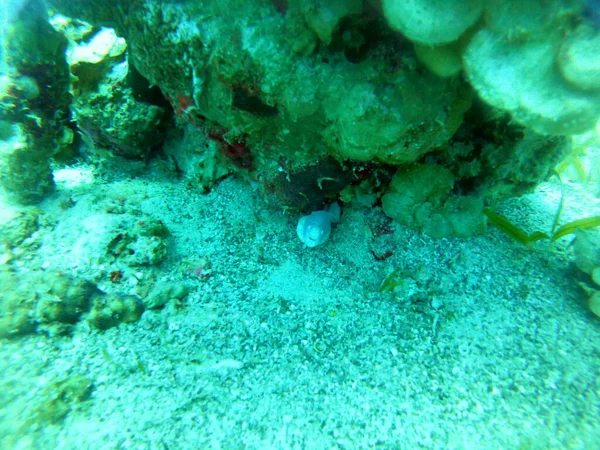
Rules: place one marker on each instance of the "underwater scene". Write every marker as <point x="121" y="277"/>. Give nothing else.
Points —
<point x="299" y="224"/>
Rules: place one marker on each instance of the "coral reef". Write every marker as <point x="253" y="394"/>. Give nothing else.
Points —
<point x="282" y="92"/>
<point x="34" y="104"/>
<point x="107" y="105"/>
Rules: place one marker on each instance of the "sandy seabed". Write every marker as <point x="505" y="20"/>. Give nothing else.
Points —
<point x="484" y="344"/>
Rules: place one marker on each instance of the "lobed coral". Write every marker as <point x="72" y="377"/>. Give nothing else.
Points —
<point x="257" y="83"/>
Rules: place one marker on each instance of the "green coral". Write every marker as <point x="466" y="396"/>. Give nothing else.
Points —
<point x="522" y="78"/>
<point x="579" y="58"/>
<point x="432" y="22"/>
<point x="419" y="196"/>
<point x="526" y="57"/>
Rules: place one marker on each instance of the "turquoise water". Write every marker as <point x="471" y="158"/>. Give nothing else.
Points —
<point x="160" y="162"/>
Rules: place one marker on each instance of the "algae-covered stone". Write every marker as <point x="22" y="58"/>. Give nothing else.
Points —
<point x="414" y="186"/>
<point x="495" y="158"/>
<point x="365" y="101"/>
<point x="58" y="397"/>
<point x="414" y="114"/>
<point x="108" y="112"/>
<point x="432" y="22"/>
<point x="52" y="302"/>
<point x="128" y="239"/>
<point x="163" y="293"/>
<point x="298" y="87"/>
<point x="151" y="227"/>
<point x="48" y="301"/>
<point x="62" y="301"/>
<point x="459" y="216"/>
<point x="17" y="306"/>
<point x="198" y="157"/>
<point x="110" y="310"/>
<point x="145" y="244"/>
<point x="19" y="228"/>
<point x="113" y="119"/>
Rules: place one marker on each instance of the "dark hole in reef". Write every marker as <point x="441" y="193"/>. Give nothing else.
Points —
<point x="483" y="128"/>
<point x="482" y="125"/>
<point x="465" y="186"/>
<point x="143" y="91"/>
<point x="363" y="35"/>
<point x="252" y="103"/>
<point x="281" y="6"/>
<point x="360" y="37"/>
<point x="54" y="80"/>
<point x="307" y="188"/>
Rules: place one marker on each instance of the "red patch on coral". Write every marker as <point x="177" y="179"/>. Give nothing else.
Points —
<point x="238" y="151"/>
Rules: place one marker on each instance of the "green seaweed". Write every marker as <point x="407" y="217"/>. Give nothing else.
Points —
<point x="572" y="227"/>
<point x="507" y="227"/>
<point x="392" y="281"/>
<point x="513" y="231"/>
<point x="561" y="203"/>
